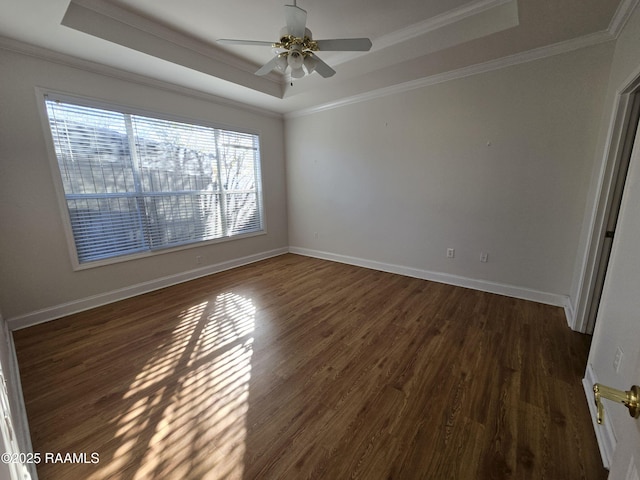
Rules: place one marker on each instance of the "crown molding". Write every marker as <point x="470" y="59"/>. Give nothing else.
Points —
<point x="17" y="46"/>
<point x="515" y="59"/>
<point x="120" y="26"/>
<point x="439" y="21"/>
<point x="115" y="12"/>
<point x="102" y="7"/>
<point x="622" y="15"/>
<point x="424" y="27"/>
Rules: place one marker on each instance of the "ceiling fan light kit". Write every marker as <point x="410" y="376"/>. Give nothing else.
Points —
<point x="296" y="50"/>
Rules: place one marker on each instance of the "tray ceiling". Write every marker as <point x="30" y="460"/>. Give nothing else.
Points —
<point x="413" y="40"/>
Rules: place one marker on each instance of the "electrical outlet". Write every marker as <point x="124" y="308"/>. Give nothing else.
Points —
<point x="198" y="260"/>
<point x="451" y="252"/>
<point x="484" y="257"/>
<point x="618" y="359"/>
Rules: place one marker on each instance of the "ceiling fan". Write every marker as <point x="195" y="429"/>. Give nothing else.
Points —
<point x="296" y="48"/>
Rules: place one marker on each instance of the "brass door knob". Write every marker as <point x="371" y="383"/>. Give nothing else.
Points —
<point x="629" y="398"/>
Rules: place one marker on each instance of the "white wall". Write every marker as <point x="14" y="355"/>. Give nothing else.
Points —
<point x="498" y="162"/>
<point x="36" y="271"/>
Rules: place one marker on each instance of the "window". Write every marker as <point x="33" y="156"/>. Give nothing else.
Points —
<point x="136" y="184"/>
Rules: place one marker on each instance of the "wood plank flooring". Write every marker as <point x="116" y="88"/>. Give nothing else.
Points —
<point x="296" y="368"/>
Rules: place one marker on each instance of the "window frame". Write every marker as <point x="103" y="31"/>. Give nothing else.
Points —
<point x="44" y="94"/>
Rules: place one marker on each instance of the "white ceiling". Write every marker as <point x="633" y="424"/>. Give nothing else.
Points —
<point x="413" y="40"/>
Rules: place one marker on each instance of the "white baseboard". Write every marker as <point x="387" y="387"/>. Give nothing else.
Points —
<point x="57" y="311"/>
<point x="482" y="285"/>
<point x="604" y="433"/>
<point x="570" y="313"/>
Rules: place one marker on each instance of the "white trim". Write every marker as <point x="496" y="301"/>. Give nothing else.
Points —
<point x="424" y="27"/>
<point x="19" y="412"/>
<point x="140" y="23"/>
<point x="57" y="311"/>
<point x="620" y="18"/>
<point x="569" y="312"/>
<point x="110" y="11"/>
<point x="482" y="285"/>
<point x="614" y="144"/>
<point x="434" y="23"/>
<point x="604" y="433"/>
<point x="508" y="61"/>
<point x="150" y="37"/>
<point x="41" y="53"/>
<point x="43" y="94"/>
<point x="75" y="306"/>
<point x="597" y="218"/>
<point x="624" y="11"/>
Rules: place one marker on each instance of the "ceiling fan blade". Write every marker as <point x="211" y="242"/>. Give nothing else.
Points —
<point x="227" y="41"/>
<point x="344" y="45"/>
<point x="323" y="69"/>
<point x="267" y="67"/>
<point x="296" y="19"/>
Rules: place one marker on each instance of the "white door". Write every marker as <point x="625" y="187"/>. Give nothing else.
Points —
<point x="11" y="466"/>
<point x="618" y="329"/>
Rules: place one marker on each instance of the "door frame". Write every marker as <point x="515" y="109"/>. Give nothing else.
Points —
<point x="618" y="138"/>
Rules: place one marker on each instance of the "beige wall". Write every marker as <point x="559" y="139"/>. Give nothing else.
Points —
<point x="36" y="271"/>
<point x="498" y="162"/>
<point x="394" y="180"/>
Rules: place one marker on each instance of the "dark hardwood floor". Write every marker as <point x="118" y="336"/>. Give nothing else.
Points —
<point x="296" y="368"/>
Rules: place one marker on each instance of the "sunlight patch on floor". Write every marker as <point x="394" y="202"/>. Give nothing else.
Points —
<point x="185" y="411"/>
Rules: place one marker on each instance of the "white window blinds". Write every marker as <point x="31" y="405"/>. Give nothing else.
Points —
<point x="134" y="183"/>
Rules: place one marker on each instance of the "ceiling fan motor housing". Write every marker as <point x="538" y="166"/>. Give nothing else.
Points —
<point x="287" y="41"/>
